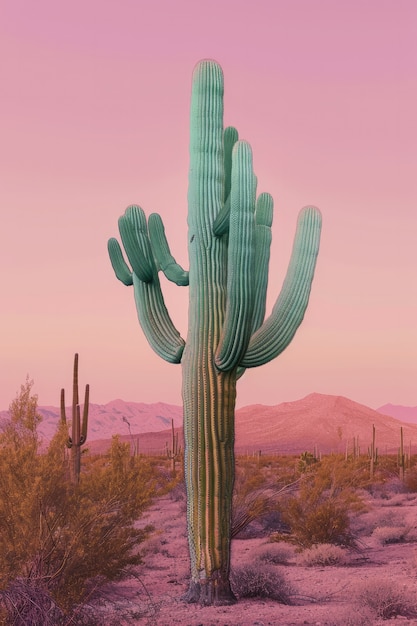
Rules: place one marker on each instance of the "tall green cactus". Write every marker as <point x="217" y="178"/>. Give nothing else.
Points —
<point x="229" y="237"/>
<point x="78" y="428"/>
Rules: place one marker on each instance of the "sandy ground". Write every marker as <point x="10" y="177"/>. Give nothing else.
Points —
<point x="321" y="595"/>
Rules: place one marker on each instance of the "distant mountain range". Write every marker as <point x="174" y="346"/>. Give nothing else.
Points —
<point x="115" y="417"/>
<point x="403" y="413"/>
<point x="329" y="423"/>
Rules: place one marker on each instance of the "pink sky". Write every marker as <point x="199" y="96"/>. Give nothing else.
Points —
<point x="95" y="105"/>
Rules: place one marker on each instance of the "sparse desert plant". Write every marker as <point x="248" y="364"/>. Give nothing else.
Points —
<point x="386" y="598"/>
<point x="252" y="581"/>
<point x="324" y="519"/>
<point x="275" y="553"/>
<point x="410" y="479"/>
<point x="59" y="542"/>
<point x="322" y="554"/>
<point x="391" y="534"/>
<point x="254" y="497"/>
<point x="355" y="615"/>
<point x="320" y="511"/>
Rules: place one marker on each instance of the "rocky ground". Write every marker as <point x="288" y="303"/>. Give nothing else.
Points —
<point x="383" y="574"/>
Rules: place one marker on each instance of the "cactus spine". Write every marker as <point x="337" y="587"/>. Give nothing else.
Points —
<point x="229" y="241"/>
<point x="78" y="429"/>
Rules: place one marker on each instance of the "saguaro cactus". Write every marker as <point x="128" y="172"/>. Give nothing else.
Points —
<point x="373" y="454"/>
<point x="78" y="430"/>
<point x="229" y="237"/>
<point x="174" y="452"/>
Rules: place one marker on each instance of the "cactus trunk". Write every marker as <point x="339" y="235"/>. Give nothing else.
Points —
<point x="209" y="401"/>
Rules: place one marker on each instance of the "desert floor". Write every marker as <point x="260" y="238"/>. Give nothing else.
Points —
<point x="320" y="594"/>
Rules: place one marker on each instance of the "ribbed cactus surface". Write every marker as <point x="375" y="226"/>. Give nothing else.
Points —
<point x="229" y="238"/>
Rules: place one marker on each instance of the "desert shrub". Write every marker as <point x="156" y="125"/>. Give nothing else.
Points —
<point x="320" y="520"/>
<point x="381" y="517"/>
<point x="390" y="534"/>
<point x="60" y="542"/>
<point x="257" y="492"/>
<point x="410" y="479"/>
<point x="355" y="615"/>
<point x="322" y="555"/>
<point x="274" y="554"/>
<point x="385" y="598"/>
<point x="252" y="581"/>
<point x="319" y="513"/>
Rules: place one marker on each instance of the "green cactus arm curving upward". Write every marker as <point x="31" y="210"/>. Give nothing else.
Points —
<point x="119" y="265"/>
<point x="278" y="330"/>
<point x="221" y="223"/>
<point x="153" y="315"/>
<point x="263" y="238"/>
<point x="156" y="322"/>
<point x="134" y="233"/>
<point x="239" y="303"/>
<point x="172" y="270"/>
<point x="84" y="427"/>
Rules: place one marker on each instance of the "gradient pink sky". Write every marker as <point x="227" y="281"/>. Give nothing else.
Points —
<point x="95" y="105"/>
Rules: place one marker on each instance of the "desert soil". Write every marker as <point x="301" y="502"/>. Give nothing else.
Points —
<point x="322" y="595"/>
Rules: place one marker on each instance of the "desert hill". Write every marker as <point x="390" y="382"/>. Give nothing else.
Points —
<point x="403" y="413"/>
<point x="329" y="423"/>
<point x="323" y="421"/>
<point x="115" y="417"/>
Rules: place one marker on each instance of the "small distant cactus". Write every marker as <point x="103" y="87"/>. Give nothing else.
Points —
<point x="306" y="460"/>
<point x="78" y="429"/>
<point x="401" y="455"/>
<point x="373" y="454"/>
<point x="174" y="452"/>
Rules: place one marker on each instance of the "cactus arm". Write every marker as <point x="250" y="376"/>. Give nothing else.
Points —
<point x="119" y="265"/>
<point x="134" y="234"/>
<point x="84" y="427"/>
<point x="278" y="330"/>
<point x="153" y="316"/>
<point x="263" y="237"/>
<point x="236" y="330"/>
<point x="155" y="321"/>
<point x="64" y="417"/>
<point x="172" y="270"/>
<point x="221" y="223"/>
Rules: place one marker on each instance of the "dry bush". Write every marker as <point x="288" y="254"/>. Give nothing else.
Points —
<point x="355" y="615"/>
<point x="386" y="599"/>
<point x="252" y="581"/>
<point x="312" y="521"/>
<point x="391" y="534"/>
<point x="320" y="512"/>
<point x="274" y="554"/>
<point x="59" y="542"/>
<point x="366" y="524"/>
<point x="322" y="555"/>
<point x="255" y="497"/>
<point x="410" y="479"/>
